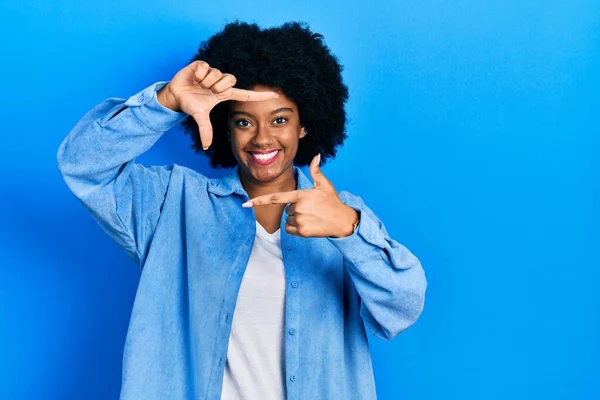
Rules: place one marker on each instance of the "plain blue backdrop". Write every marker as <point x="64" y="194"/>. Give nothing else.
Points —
<point x="477" y="122"/>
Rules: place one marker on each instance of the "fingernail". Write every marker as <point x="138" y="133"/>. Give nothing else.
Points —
<point x="319" y="159"/>
<point x="247" y="204"/>
<point x="205" y="148"/>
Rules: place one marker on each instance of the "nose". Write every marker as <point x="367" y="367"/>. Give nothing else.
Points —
<point x="262" y="137"/>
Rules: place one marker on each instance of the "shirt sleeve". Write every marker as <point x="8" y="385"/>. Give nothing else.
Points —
<point x="97" y="162"/>
<point x="389" y="279"/>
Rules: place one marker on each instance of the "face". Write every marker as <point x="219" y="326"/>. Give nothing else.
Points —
<point x="264" y="136"/>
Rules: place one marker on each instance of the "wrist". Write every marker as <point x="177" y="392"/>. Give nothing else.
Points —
<point x="166" y="98"/>
<point x="350" y="223"/>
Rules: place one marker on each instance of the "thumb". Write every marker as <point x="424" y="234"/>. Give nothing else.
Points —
<point x="204" y="127"/>
<point x="317" y="176"/>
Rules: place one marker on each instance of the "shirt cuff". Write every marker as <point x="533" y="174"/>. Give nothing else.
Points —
<point x="364" y="243"/>
<point x="150" y="112"/>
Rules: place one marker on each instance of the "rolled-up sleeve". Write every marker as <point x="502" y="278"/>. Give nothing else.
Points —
<point x="97" y="162"/>
<point x="389" y="279"/>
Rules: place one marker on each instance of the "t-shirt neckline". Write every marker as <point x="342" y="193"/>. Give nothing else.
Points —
<point x="262" y="232"/>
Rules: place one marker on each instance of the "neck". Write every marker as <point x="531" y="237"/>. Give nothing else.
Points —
<point x="284" y="183"/>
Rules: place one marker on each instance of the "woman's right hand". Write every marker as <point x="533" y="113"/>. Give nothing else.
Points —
<point x="197" y="88"/>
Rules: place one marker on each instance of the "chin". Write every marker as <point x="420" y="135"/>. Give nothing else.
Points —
<point x="265" y="174"/>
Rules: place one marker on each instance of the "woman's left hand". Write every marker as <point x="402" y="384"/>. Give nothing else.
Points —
<point x="316" y="212"/>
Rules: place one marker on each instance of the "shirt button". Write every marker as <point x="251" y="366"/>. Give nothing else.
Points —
<point x="292" y="331"/>
<point x="292" y="378"/>
<point x="294" y="284"/>
<point x="288" y="247"/>
<point x="141" y="98"/>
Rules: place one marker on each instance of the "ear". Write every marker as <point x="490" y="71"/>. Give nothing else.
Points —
<point x="303" y="132"/>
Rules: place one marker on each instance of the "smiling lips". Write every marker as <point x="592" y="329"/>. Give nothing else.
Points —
<point x="263" y="158"/>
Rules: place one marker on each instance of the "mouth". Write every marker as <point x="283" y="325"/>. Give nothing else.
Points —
<point x="264" y="158"/>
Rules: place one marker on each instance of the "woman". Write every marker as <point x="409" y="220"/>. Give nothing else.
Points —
<point x="258" y="285"/>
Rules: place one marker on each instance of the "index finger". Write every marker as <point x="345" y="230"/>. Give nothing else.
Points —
<point x="274" y="198"/>
<point x="251" y="95"/>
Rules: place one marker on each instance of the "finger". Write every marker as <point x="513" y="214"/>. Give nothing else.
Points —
<point x="201" y="69"/>
<point x="226" y="81"/>
<point x="202" y="118"/>
<point x="292" y="230"/>
<point x="291" y="220"/>
<point x="251" y="95"/>
<point x="275" y="198"/>
<point x="290" y="209"/>
<point x="213" y="77"/>
<point x="317" y="176"/>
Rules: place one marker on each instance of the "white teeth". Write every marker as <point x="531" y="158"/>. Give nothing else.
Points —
<point x="266" y="156"/>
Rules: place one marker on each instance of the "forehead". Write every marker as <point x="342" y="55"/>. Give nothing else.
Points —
<point x="263" y="107"/>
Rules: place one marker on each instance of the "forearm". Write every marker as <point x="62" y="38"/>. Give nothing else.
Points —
<point x="392" y="295"/>
<point x="111" y="134"/>
<point x="389" y="279"/>
<point x="97" y="161"/>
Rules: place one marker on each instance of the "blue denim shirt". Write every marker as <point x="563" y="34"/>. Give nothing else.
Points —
<point x="192" y="240"/>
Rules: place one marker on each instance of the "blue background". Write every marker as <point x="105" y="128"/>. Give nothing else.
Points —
<point x="473" y="135"/>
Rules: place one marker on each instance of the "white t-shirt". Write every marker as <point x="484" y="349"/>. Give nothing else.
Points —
<point x="255" y="356"/>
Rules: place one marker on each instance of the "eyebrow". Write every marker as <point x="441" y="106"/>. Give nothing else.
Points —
<point x="281" y="109"/>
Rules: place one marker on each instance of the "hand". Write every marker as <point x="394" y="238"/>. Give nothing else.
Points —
<point x="316" y="212"/>
<point x="197" y="88"/>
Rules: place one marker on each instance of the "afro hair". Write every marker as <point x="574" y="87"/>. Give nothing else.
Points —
<point x="290" y="58"/>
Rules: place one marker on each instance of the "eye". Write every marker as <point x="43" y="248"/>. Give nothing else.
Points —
<point x="280" y="120"/>
<point x="241" y="123"/>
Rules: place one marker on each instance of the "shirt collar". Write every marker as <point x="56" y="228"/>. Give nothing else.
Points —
<point x="231" y="183"/>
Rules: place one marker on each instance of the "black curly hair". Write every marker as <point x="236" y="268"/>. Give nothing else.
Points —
<point x="290" y="58"/>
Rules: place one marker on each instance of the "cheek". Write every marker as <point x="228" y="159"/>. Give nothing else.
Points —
<point x="290" y="142"/>
<point x="291" y="138"/>
<point x="237" y="148"/>
<point x="237" y="142"/>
